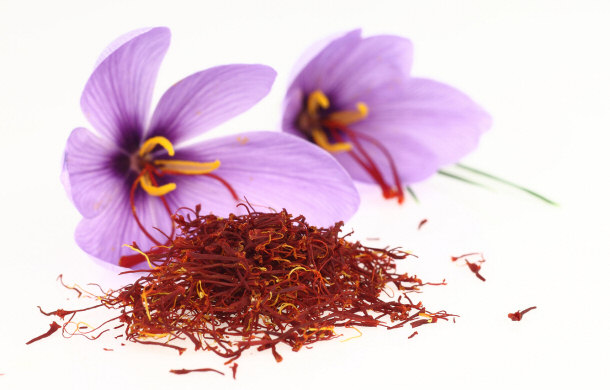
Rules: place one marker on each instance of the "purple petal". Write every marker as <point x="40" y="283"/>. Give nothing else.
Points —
<point x="271" y="170"/>
<point x="350" y="66"/>
<point x="431" y="115"/>
<point x="118" y="42"/>
<point x="117" y="96"/>
<point x="208" y="98"/>
<point x="104" y="235"/>
<point x="93" y="183"/>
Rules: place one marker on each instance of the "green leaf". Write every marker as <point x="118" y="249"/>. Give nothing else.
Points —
<point x="506" y="182"/>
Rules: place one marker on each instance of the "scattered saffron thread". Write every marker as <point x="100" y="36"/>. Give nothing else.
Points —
<point x="413" y="334"/>
<point x="422" y="223"/>
<point x="518" y="315"/>
<point x="53" y="327"/>
<point x="258" y="280"/>
<point x="234" y="369"/>
<point x="183" y="371"/>
<point x="474" y="267"/>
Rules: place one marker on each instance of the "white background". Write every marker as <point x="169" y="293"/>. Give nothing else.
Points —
<point x="541" y="68"/>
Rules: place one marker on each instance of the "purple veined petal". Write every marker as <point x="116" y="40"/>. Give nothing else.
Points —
<point x="94" y="183"/>
<point x="64" y="178"/>
<point x="374" y="62"/>
<point x="272" y="170"/>
<point x="313" y="76"/>
<point x="104" y="236"/>
<point x="293" y="104"/>
<point x="364" y="65"/>
<point x="315" y="73"/>
<point x="116" y="99"/>
<point x="414" y="162"/>
<point x="208" y="98"/>
<point x="118" y="42"/>
<point x="433" y="115"/>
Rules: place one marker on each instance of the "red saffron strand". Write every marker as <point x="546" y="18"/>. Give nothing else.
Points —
<point x="474" y="267"/>
<point x="518" y="315"/>
<point x="368" y="165"/>
<point x="132" y="194"/>
<point x="132" y="260"/>
<point x="53" y="327"/>
<point x="373" y="170"/>
<point x="129" y="261"/>
<point x="422" y="223"/>
<point x="234" y="369"/>
<point x="213" y="176"/>
<point x="183" y="371"/>
<point x="398" y="191"/>
<point x="165" y="205"/>
<point x="225" y="183"/>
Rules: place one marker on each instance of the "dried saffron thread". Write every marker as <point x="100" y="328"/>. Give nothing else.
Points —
<point x="258" y="280"/>
<point x="422" y="223"/>
<point x="518" y="315"/>
<point x="474" y="267"/>
<point x="186" y="371"/>
<point x="234" y="369"/>
<point x="53" y="327"/>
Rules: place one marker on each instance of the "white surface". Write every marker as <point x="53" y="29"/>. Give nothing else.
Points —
<point x="540" y="67"/>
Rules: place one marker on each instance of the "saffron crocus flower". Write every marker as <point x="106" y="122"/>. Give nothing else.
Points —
<point x="357" y="100"/>
<point x="129" y="177"/>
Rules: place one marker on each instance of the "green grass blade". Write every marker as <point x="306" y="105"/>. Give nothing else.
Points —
<point x="460" y="178"/>
<point x="506" y="182"/>
<point x="412" y="193"/>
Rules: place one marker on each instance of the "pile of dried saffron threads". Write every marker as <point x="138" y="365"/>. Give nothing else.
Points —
<point x="260" y="279"/>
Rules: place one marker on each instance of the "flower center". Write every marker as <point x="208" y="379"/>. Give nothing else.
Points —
<point x="330" y="130"/>
<point x="149" y="169"/>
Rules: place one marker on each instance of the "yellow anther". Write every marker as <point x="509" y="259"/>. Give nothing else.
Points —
<point x="349" y="117"/>
<point x="425" y="315"/>
<point x="187" y="167"/>
<point x="150" y="144"/>
<point x="142" y="253"/>
<point x="154" y="190"/>
<point x="315" y="100"/>
<point x="321" y="139"/>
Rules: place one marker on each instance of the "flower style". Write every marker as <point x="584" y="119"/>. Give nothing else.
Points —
<point x="129" y="178"/>
<point x="357" y="100"/>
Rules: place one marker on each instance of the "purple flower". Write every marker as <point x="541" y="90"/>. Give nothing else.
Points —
<point x="357" y="100"/>
<point x="129" y="177"/>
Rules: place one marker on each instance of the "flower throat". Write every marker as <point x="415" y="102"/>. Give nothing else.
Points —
<point x="150" y="169"/>
<point x="330" y="130"/>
